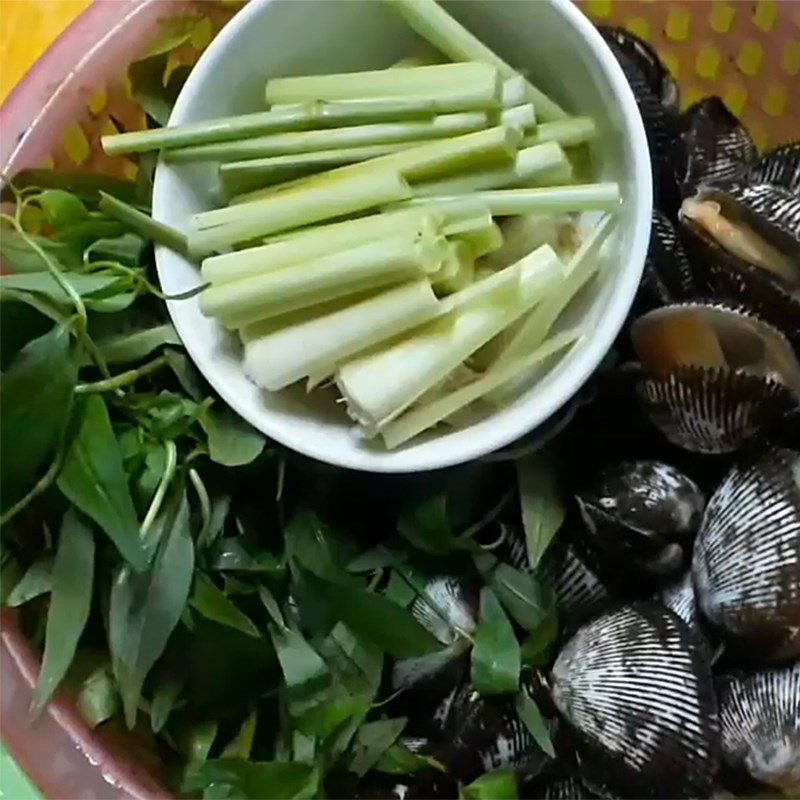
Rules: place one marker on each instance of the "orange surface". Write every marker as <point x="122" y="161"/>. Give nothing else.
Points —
<point x="27" y="28"/>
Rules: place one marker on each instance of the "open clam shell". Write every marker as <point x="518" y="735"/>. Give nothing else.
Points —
<point x="715" y="375"/>
<point x="780" y="167"/>
<point x="715" y="145"/>
<point x="634" y="687"/>
<point x="746" y="563"/>
<point x="760" y="726"/>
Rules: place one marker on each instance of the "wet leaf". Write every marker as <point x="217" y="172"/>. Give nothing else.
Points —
<point x="495" y="655"/>
<point x="379" y="621"/>
<point x="540" y="504"/>
<point x="93" y="478"/>
<point x="427" y="528"/>
<point x="145" y="607"/>
<point x="534" y="721"/>
<point x="212" y="603"/>
<point x="35" y="404"/>
<point x="372" y="740"/>
<point x="98" y="698"/>
<point x="232" y="442"/>
<point x="496" y="785"/>
<point x="70" y="602"/>
<point x="36" y="581"/>
<point x="254" y="780"/>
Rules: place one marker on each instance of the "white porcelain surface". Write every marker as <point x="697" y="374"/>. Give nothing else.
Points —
<point x="548" y="39"/>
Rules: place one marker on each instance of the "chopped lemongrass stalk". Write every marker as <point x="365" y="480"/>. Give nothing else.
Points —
<point x="331" y="138"/>
<point x="381" y="384"/>
<point x="156" y="232"/>
<point x="294" y="208"/>
<point x="371" y="265"/>
<point x="520" y="116"/>
<point x="545" y="200"/>
<point x="315" y="243"/>
<point x="514" y="92"/>
<point x="419" y="60"/>
<point x="459" y="272"/>
<point x="436" y="26"/>
<point x="484" y="241"/>
<point x="528" y="164"/>
<point x="244" y="176"/>
<point x="277" y="358"/>
<point x="293" y="117"/>
<point x="461" y="87"/>
<point x="579" y="269"/>
<point x="423" y="417"/>
<point x="567" y="132"/>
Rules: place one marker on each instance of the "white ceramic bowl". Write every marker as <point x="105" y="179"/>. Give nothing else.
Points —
<point x="549" y="39"/>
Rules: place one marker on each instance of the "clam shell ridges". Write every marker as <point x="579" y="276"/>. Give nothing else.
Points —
<point x="444" y="610"/>
<point x="775" y="204"/>
<point x="680" y="598"/>
<point x="746" y="563"/>
<point x="567" y="789"/>
<point x="780" y="167"/>
<point x="760" y="725"/>
<point x="578" y="589"/>
<point x="633" y="686"/>
<point x="712" y="411"/>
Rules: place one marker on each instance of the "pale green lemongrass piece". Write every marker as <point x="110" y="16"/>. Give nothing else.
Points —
<point x="368" y="266"/>
<point x="567" y="132"/>
<point x="544" y="200"/>
<point x="436" y="26"/>
<point x="292" y="117"/>
<point x="579" y="269"/>
<point x="423" y="417"/>
<point x="514" y="92"/>
<point x="460" y="87"/>
<point x="521" y="116"/>
<point x="245" y="176"/>
<point x="380" y="385"/>
<point x="524" y="233"/>
<point x="527" y="165"/>
<point x="294" y="208"/>
<point x="316" y="242"/>
<point x="459" y="272"/>
<point x="484" y="241"/>
<point x="143" y="224"/>
<point x="277" y="144"/>
<point x="434" y="158"/>
<point x="274" y="359"/>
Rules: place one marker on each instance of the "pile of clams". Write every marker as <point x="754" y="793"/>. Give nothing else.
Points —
<point x="676" y="671"/>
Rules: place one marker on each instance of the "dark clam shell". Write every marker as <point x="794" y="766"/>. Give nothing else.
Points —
<point x="447" y="608"/>
<point x="486" y="733"/>
<point x="716" y="146"/>
<point x="565" y="787"/>
<point x="760" y="726"/>
<point x="580" y="594"/>
<point x="668" y="276"/>
<point x="714" y="410"/>
<point x="636" y="691"/>
<point x="746" y="563"/>
<point x="780" y="167"/>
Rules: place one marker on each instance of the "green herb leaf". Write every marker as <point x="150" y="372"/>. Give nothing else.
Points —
<point x="231" y="555"/>
<point x="541" y="506"/>
<point x="536" y="649"/>
<point x="164" y="700"/>
<point x="212" y="603"/>
<point x="98" y="698"/>
<point x="61" y="208"/>
<point x="254" y="780"/>
<point x="381" y="622"/>
<point x="94" y="480"/>
<point x="242" y="744"/>
<point x="18" y="254"/>
<point x="135" y="345"/>
<point x="318" y="548"/>
<point x="372" y="740"/>
<point x="399" y="760"/>
<point x="84" y="185"/>
<point x="496" y="655"/>
<point x="427" y="528"/>
<point x="534" y="721"/>
<point x="232" y="442"/>
<point x="300" y="662"/>
<point x="500" y="784"/>
<point x="36" y="581"/>
<point x="377" y="557"/>
<point x="96" y="285"/>
<point x="188" y="377"/>
<point x="522" y="594"/>
<point x="70" y="601"/>
<point x="35" y="403"/>
<point x="127" y="249"/>
<point x="146" y="607"/>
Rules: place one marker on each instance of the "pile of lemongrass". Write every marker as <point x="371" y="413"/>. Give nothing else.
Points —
<point x="359" y="245"/>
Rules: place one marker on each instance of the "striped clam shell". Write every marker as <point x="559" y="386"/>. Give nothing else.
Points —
<point x="567" y="788"/>
<point x="636" y="691"/>
<point x="679" y="597"/>
<point x="579" y="592"/>
<point x="760" y="726"/>
<point x="746" y="563"/>
<point x="772" y="210"/>
<point x="709" y="410"/>
<point x="445" y="608"/>
<point x="780" y="167"/>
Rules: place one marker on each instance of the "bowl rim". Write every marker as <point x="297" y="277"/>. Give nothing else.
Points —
<point x="499" y="429"/>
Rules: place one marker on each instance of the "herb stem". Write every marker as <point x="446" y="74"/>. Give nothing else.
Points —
<point x="122" y="379"/>
<point x="205" y="503"/>
<point x="161" y="491"/>
<point x="39" y="487"/>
